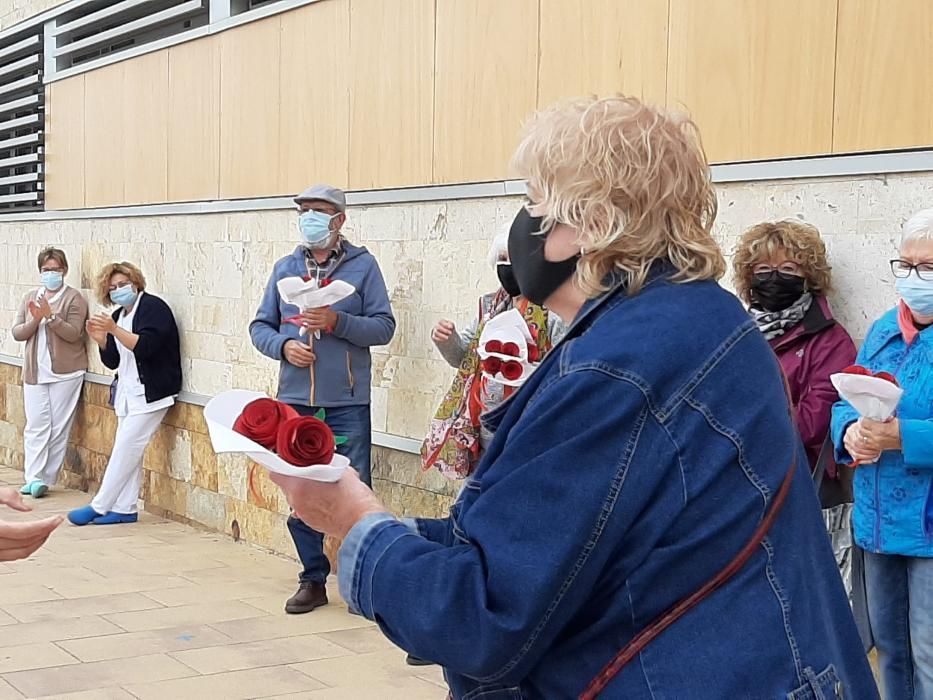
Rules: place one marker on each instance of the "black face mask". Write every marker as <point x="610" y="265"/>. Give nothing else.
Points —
<point x="537" y="277"/>
<point x="775" y="291"/>
<point x="507" y="279"/>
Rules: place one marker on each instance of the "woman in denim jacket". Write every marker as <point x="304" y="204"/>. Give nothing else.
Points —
<point x="632" y="466"/>
<point x="893" y="515"/>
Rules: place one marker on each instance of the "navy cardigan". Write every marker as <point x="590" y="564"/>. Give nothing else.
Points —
<point x="158" y="353"/>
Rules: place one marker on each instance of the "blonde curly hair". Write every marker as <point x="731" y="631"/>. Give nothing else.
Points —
<point x="632" y="179"/>
<point x="797" y="240"/>
<point x="102" y="285"/>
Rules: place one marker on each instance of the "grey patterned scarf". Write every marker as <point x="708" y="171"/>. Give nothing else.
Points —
<point x="776" y="323"/>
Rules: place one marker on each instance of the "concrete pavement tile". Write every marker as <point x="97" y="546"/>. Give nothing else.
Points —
<point x="119" y="584"/>
<point x="57" y="630"/>
<point x="182" y="615"/>
<point x="25" y="657"/>
<point x="329" y="619"/>
<point x="392" y="689"/>
<point x="8" y="692"/>
<point x="271" y="652"/>
<point x="102" y="674"/>
<point x="193" y="593"/>
<point x="359" y="669"/>
<point x="113" y="693"/>
<point x="237" y="685"/>
<point x="364" y="640"/>
<point x="25" y="593"/>
<point x="80" y="607"/>
<point x="119" y="646"/>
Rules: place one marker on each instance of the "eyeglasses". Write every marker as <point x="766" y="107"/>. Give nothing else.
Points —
<point x="902" y="269"/>
<point x="787" y="269"/>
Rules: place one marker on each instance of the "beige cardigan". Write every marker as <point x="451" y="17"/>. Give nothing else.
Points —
<point x="65" y="334"/>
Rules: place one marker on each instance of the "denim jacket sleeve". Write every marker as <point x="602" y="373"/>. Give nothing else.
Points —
<point x="527" y="553"/>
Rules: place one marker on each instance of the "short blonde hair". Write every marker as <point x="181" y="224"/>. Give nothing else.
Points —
<point x="632" y="179"/>
<point x="797" y="240"/>
<point x="137" y="279"/>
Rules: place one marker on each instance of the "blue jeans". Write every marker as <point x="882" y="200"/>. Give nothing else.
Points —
<point x="900" y="608"/>
<point x="353" y="423"/>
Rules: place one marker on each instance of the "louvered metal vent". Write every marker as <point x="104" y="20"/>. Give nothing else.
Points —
<point x="22" y="103"/>
<point x="105" y="27"/>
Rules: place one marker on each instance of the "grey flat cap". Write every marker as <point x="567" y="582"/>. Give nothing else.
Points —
<point x="324" y="193"/>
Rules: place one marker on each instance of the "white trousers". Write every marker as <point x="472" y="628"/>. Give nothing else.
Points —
<point x="119" y="489"/>
<point x="50" y="411"/>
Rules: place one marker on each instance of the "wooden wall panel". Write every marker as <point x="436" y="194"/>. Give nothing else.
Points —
<point x="315" y="102"/>
<point x="145" y="128"/>
<point x="603" y="47"/>
<point x="64" y="144"/>
<point x="249" y="109"/>
<point x="756" y="75"/>
<point x="485" y="85"/>
<point x="104" y="107"/>
<point x="884" y="75"/>
<point x="194" y="121"/>
<point x="391" y="92"/>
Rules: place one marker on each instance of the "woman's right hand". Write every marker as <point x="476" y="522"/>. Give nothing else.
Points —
<point x="854" y="443"/>
<point x="96" y="332"/>
<point x="442" y="331"/>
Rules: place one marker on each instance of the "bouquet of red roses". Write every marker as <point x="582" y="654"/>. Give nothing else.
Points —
<point x="274" y="435"/>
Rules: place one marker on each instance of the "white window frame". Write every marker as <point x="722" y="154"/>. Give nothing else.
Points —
<point x="222" y="15"/>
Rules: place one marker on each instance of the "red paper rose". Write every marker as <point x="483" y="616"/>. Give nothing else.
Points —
<point x="510" y="349"/>
<point x="888" y="377"/>
<point x="305" y="441"/>
<point x="492" y="365"/>
<point x="858" y="369"/>
<point x="533" y="354"/>
<point x="324" y="282"/>
<point x="494" y="346"/>
<point x="260" y="421"/>
<point x="306" y="278"/>
<point x="512" y="370"/>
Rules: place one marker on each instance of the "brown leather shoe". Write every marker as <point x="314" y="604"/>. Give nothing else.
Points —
<point x="310" y="595"/>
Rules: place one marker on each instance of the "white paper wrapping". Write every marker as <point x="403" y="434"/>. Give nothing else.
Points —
<point x="221" y="413"/>
<point x="508" y="327"/>
<point x="874" y="398"/>
<point x="307" y="295"/>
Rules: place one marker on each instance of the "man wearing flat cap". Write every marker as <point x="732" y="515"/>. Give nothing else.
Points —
<point x="330" y="372"/>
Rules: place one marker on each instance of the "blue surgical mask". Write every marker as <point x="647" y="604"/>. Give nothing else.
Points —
<point x="52" y="280"/>
<point x="123" y="296"/>
<point x="315" y="228"/>
<point x="916" y="293"/>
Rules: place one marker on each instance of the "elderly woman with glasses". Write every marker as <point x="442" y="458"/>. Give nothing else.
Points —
<point x="893" y="514"/>
<point x="650" y="457"/>
<point x="782" y="273"/>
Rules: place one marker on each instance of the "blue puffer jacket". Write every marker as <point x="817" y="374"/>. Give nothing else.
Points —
<point x="893" y="511"/>
<point x="630" y="468"/>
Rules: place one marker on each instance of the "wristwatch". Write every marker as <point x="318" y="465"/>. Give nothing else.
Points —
<point x="52" y="316"/>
